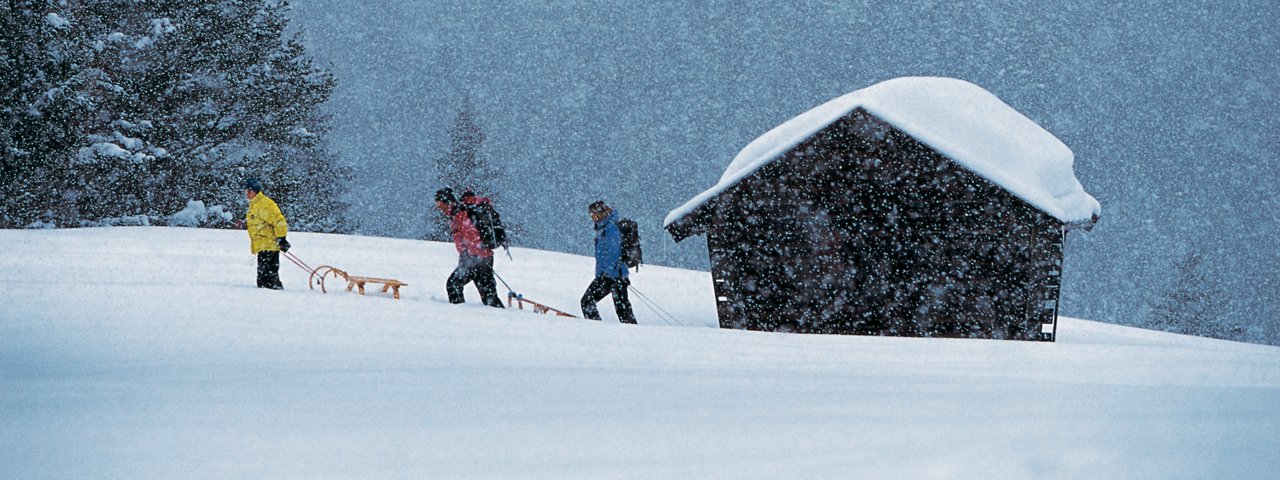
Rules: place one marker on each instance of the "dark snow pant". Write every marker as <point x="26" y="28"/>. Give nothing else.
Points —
<point x="602" y="286"/>
<point x="473" y="269"/>
<point x="269" y="270"/>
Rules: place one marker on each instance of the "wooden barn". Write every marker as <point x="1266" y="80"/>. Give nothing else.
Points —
<point x="914" y="207"/>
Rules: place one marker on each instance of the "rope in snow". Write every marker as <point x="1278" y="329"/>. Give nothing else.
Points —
<point x="662" y="314"/>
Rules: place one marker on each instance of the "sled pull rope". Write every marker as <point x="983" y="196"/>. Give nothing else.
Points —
<point x="662" y="314"/>
<point x="510" y="291"/>
<point x="297" y="261"/>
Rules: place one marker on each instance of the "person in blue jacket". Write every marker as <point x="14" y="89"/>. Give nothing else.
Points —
<point x="611" y="273"/>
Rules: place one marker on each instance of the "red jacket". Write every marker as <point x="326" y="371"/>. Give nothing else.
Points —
<point x="465" y="235"/>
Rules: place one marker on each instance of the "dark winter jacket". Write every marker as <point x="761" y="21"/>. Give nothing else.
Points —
<point x="609" y="248"/>
<point x="466" y="238"/>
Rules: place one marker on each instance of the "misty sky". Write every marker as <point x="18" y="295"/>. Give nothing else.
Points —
<point x="1170" y="107"/>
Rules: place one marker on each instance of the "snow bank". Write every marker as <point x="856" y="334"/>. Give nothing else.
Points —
<point x="956" y="118"/>
<point x="196" y="214"/>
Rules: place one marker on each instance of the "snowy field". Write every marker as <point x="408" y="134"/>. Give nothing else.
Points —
<point x="130" y="353"/>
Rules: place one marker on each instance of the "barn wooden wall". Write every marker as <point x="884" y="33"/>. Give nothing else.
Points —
<point x="863" y="230"/>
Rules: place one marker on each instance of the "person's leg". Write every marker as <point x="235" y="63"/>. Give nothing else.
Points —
<point x="262" y="270"/>
<point x="598" y="289"/>
<point x="482" y="275"/>
<point x="458" y="279"/>
<point x="621" y="301"/>
<point x="275" y="272"/>
<point x="269" y="270"/>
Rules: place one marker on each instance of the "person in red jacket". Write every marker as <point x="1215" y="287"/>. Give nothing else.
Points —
<point x="475" y="259"/>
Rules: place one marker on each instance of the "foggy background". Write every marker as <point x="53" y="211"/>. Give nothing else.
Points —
<point x="1170" y="107"/>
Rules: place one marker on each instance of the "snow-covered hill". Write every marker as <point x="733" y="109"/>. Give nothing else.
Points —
<point x="147" y="353"/>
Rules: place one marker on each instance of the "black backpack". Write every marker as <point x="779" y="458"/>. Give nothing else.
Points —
<point x="488" y="223"/>
<point x="632" y="257"/>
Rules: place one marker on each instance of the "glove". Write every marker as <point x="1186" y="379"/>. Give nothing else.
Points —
<point x="283" y="244"/>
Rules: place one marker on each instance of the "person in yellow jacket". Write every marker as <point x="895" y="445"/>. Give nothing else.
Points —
<point x="267" y="229"/>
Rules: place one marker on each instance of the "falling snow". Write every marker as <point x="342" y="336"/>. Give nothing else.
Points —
<point x="1172" y="111"/>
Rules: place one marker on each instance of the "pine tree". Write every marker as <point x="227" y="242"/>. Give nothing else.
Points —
<point x="463" y="167"/>
<point x="1194" y="305"/>
<point x="181" y="100"/>
<point x="43" y="100"/>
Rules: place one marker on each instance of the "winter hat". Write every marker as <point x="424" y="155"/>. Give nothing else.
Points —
<point x="253" y="184"/>
<point x="599" y="207"/>
<point x="445" y="195"/>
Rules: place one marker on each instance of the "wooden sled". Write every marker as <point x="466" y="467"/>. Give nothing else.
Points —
<point x="324" y="271"/>
<point x="519" y="301"/>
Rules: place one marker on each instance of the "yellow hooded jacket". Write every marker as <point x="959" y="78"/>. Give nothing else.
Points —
<point x="265" y="224"/>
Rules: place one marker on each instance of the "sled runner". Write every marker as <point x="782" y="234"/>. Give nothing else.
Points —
<point x="353" y="281"/>
<point x="519" y="301"/>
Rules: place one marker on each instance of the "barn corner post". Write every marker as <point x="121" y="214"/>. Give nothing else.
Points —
<point x="1057" y="304"/>
<point x="1045" y="296"/>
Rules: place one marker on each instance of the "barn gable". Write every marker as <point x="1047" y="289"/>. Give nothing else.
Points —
<point x="955" y="118"/>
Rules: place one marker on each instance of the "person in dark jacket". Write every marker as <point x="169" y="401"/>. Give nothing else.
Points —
<point x="611" y="273"/>
<point x="475" y="260"/>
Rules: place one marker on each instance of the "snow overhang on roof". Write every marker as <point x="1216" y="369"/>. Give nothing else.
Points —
<point x="956" y="118"/>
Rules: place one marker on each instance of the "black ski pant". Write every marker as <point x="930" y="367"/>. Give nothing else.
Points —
<point x="478" y="270"/>
<point x="602" y="286"/>
<point x="269" y="270"/>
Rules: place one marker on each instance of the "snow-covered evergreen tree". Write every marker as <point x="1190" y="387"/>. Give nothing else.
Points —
<point x="463" y="167"/>
<point x="43" y="99"/>
<point x="1194" y="305"/>
<point x="186" y="99"/>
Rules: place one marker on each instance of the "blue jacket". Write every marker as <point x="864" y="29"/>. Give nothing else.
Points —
<point x="609" y="248"/>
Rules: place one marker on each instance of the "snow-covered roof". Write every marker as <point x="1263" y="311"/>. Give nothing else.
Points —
<point x="956" y="118"/>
